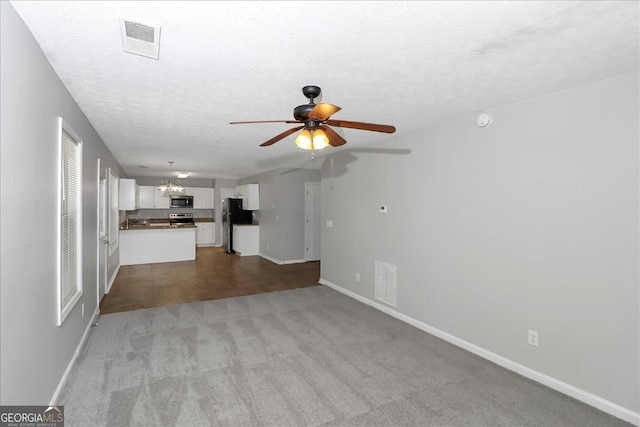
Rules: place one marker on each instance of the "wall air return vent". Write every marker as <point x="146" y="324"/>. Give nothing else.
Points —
<point x="140" y="39"/>
<point x="386" y="285"/>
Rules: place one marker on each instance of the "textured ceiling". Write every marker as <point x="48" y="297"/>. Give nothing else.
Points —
<point x="408" y="64"/>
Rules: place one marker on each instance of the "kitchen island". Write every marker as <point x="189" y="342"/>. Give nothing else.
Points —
<point x="161" y="243"/>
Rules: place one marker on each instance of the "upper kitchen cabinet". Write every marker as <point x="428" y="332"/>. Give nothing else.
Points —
<point x="202" y="197"/>
<point x="128" y="195"/>
<point x="250" y="195"/>
<point x="152" y="198"/>
<point x="147" y="197"/>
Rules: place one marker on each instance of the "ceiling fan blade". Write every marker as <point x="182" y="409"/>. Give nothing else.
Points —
<point x="265" y="121"/>
<point x="363" y="126"/>
<point x="280" y="136"/>
<point x="335" y="140"/>
<point x="322" y="112"/>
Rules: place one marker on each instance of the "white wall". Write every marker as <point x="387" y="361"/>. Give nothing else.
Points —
<point x="34" y="352"/>
<point x="530" y="223"/>
<point x="281" y="215"/>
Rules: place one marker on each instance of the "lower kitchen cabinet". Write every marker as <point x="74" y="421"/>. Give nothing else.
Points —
<point x="161" y="245"/>
<point x="205" y="234"/>
<point x="246" y="239"/>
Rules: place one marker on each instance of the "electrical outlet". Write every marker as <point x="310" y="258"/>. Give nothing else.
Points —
<point x="532" y="338"/>
<point x="357" y="277"/>
<point x="329" y="223"/>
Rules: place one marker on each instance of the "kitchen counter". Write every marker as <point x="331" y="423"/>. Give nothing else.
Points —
<point x="152" y="244"/>
<point x="159" y="226"/>
<point x="203" y="220"/>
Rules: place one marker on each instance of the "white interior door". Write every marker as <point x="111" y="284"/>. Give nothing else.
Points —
<point x="103" y="240"/>
<point x="312" y="221"/>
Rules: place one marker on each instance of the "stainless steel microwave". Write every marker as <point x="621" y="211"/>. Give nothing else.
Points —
<point x="181" y="201"/>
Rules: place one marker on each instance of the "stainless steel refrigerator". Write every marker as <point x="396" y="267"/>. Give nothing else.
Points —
<point x="232" y="213"/>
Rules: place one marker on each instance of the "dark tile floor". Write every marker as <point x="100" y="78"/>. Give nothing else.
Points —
<point x="213" y="275"/>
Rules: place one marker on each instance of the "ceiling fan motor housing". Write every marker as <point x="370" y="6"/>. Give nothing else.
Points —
<point x="301" y="112"/>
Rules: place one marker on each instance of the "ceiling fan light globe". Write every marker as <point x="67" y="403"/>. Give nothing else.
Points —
<point x="303" y="140"/>
<point x="320" y="140"/>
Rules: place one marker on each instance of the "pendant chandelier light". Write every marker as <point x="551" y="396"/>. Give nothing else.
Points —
<point x="170" y="186"/>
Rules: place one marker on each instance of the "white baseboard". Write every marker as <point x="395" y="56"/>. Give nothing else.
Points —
<point x="277" y="261"/>
<point x="83" y="340"/>
<point x="579" y="394"/>
<point x="112" y="279"/>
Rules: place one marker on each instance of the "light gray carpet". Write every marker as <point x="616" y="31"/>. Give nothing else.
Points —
<point x="304" y="357"/>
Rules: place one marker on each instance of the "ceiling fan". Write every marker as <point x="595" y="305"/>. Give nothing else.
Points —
<point x="314" y="120"/>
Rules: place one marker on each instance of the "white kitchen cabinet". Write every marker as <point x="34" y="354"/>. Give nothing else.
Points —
<point x="147" y="197"/>
<point x="128" y="195"/>
<point x="152" y="198"/>
<point x="250" y="195"/>
<point x="162" y="199"/>
<point x="205" y="234"/>
<point x="202" y="197"/>
<point x="246" y="239"/>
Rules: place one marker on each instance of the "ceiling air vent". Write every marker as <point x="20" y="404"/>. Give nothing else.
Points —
<point x="140" y="39"/>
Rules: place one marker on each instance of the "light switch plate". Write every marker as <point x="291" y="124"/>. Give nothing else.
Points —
<point x="329" y="223"/>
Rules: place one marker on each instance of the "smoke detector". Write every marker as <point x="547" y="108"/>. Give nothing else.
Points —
<point x="140" y="39"/>
<point x="484" y="120"/>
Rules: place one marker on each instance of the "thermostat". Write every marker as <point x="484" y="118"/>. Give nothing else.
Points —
<point x="484" y="119"/>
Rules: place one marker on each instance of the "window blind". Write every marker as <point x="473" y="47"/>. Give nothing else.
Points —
<point x="70" y="287"/>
